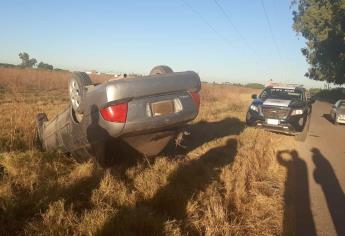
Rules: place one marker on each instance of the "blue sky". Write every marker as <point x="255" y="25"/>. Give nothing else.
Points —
<point x="133" y="36"/>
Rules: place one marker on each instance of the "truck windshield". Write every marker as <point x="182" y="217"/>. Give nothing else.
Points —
<point x="281" y="93"/>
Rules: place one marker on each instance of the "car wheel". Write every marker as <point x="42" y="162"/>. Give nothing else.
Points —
<point x="335" y="119"/>
<point x="77" y="89"/>
<point x="161" y="70"/>
<point x="301" y="137"/>
<point x="249" y="120"/>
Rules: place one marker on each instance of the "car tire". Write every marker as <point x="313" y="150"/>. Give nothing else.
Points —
<point x="161" y="70"/>
<point x="335" y="119"/>
<point x="301" y="137"/>
<point x="77" y="89"/>
<point x="249" y="120"/>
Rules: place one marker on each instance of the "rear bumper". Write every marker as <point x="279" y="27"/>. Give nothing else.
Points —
<point x="139" y="121"/>
<point x="144" y="132"/>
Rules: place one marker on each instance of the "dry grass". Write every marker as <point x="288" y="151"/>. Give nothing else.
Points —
<point x="225" y="182"/>
<point x="19" y="80"/>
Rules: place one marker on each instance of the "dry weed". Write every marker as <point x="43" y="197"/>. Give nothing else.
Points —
<point x="224" y="182"/>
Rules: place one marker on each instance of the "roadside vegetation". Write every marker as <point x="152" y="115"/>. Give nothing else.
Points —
<point x="330" y="95"/>
<point x="223" y="180"/>
<point x="322" y="24"/>
<point x="27" y="62"/>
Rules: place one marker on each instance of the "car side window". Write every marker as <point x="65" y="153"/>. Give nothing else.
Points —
<point x="264" y="95"/>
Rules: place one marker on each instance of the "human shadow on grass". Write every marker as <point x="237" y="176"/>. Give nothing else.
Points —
<point x="324" y="175"/>
<point x="30" y="204"/>
<point x="298" y="218"/>
<point x="204" y="132"/>
<point x="169" y="203"/>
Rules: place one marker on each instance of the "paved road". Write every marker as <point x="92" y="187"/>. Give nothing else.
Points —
<point x="320" y="172"/>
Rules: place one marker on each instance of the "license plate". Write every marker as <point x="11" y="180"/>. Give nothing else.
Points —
<point x="162" y="108"/>
<point x="272" y="122"/>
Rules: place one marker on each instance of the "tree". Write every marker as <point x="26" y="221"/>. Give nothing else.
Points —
<point x="45" y="66"/>
<point x="322" y="23"/>
<point x="26" y="61"/>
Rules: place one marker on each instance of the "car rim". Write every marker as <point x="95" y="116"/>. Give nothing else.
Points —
<point x="75" y="94"/>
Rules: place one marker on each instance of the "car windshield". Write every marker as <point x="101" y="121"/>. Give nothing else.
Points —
<point x="342" y="104"/>
<point x="281" y="93"/>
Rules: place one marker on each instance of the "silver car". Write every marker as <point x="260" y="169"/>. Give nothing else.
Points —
<point x="143" y="114"/>
<point x="338" y="112"/>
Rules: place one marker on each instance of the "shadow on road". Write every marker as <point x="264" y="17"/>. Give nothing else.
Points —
<point x="328" y="117"/>
<point x="324" y="175"/>
<point x="297" y="197"/>
<point x="30" y="204"/>
<point x="149" y="216"/>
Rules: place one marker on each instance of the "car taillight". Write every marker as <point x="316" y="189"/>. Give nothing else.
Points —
<point x="115" y="113"/>
<point x="196" y="98"/>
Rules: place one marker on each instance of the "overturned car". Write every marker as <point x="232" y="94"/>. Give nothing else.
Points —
<point x="144" y="113"/>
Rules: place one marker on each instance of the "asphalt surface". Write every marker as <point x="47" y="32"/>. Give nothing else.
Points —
<point x="320" y="176"/>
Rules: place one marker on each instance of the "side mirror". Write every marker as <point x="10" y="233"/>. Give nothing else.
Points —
<point x="254" y="96"/>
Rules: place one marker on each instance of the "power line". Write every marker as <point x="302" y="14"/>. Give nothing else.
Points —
<point x="244" y="40"/>
<point x="203" y="19"/>
<point x="270" y="29"/>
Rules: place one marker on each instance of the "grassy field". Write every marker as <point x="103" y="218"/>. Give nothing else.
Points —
<point x="225" y="181"/>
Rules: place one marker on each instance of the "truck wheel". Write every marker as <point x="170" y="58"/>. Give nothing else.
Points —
<point x="161" y="70"/>
<point x="249" y="120"/>
<point x="301" y="137"/>
<point x="77" y="89"/>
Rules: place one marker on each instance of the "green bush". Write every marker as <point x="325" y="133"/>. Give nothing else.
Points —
<point x="331" y="95"/>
